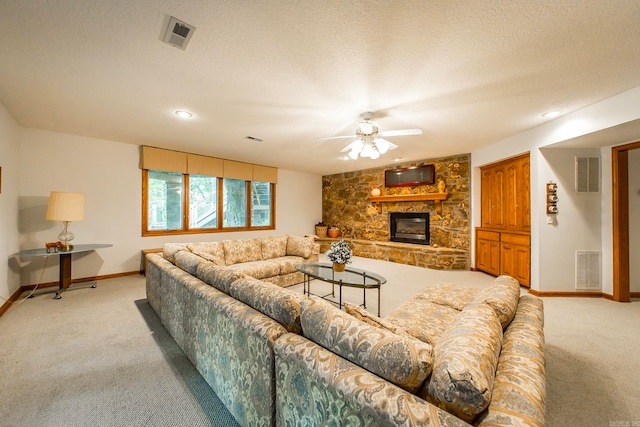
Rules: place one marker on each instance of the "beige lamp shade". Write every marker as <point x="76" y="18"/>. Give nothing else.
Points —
<point x="65" y="206"/>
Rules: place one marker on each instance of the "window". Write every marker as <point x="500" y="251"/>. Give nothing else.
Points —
<point x="260" y="204"/>
<point x="203" y="201"/>
<point x="165" y="205"/>
<point x="170" y="209"/>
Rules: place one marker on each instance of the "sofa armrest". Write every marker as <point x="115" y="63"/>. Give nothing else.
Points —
<point x="318" y="387"/>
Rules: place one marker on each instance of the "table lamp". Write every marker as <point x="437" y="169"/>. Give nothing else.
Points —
<point x="65" y="207"/>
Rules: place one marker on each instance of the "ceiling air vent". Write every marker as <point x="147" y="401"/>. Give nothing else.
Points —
<point x="178" y="33"/>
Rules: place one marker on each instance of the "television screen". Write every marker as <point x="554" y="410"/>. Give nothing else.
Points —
<point x="419" y="175"/>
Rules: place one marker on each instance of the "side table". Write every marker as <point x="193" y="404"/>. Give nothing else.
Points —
<point x="65" y="261"/>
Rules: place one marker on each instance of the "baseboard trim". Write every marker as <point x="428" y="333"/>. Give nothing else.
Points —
<point x="9" y="302"/>
<point x="634" y="294"/>
<point x="565" y="294"/>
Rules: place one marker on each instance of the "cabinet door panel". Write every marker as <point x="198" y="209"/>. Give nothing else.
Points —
<point x="497" y="198"/>
<point x="525" y="194"/>
<point x="511" y="196"/>
<point x="488" y="256"/>
<point x="486" y="184"/>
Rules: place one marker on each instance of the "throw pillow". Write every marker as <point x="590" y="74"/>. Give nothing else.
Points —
<point x="502" y="295"/>
<point x="464" y="368"/>
<point x="368" y="318"/>
<point x="402" y="360"/>
<point x="211" y="251"/>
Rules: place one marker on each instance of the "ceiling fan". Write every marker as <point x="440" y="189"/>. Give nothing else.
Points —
<point x="369" y="142"/>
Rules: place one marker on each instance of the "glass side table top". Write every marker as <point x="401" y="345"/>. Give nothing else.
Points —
<point x="351" y="276"/>
<point x="75" y="249"/>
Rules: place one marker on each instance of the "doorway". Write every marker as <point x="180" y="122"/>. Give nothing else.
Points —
<point x="620" y="196"/>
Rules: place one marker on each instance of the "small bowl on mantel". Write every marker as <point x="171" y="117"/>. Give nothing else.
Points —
<point x="334" y="232"/>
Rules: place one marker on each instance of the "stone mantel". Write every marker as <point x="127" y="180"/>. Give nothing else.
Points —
<point x="437" y="197"/>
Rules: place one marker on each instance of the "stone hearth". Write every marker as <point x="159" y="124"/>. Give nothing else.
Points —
<point x="406" y="253"/>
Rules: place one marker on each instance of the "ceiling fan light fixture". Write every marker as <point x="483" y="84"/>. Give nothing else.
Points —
<point x="382" y="145"/>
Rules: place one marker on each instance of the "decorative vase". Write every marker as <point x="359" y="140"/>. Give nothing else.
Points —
<point x="321" y="231"/>
<point x="334" y="232"/>
<point x="339" y="267"/>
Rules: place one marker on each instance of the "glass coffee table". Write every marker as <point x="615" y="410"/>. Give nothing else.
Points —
<point x="351" y="277"/>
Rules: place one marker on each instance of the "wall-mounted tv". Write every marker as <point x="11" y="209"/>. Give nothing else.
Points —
<point x="417" y="175"/>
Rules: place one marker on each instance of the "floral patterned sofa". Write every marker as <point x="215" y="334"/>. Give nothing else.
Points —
<point x="449" y="356"/>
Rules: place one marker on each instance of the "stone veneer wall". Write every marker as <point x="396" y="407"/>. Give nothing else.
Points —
<point x="345" y="204"/>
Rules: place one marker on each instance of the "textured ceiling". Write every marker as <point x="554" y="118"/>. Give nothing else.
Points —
<point x="468" y="73"/>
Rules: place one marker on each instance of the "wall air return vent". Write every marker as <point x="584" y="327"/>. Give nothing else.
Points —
<point x="178" y="33"/>
<point x="588" y="270"/>
<point x="587" y="174"/>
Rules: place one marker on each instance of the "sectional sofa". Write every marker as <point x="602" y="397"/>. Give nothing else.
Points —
<point x="449" y="356"/>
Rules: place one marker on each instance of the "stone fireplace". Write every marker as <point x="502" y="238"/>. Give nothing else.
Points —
<point x="409" y="227"/>
<point x="366" y="225"/>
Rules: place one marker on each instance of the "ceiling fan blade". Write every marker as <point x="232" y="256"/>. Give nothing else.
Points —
<point x="336" y="137"/>
<point x="401" y="132"/>
<point x="357" y="144"/>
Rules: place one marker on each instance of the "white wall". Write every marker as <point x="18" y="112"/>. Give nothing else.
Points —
<point x="634" y="220"/>
<point x="606" y="114"/>
<point x="579" y="216"/>
<point x="107" y="173"/>
<point x="9" y="270"/>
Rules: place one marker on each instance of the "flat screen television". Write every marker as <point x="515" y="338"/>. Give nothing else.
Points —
<point x="417" y="175"/>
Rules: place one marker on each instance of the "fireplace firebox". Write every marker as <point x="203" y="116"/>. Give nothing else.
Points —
<point x="409" y="227"/>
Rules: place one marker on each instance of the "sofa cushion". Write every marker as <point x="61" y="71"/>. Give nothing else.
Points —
<point x="502" y="295"/>
<point x="465" y="360"/>
<point x="278" y="303"/>
<point x="289" y="263"/>
<point x="449" y="294"/>
<point x="211" y="251"/>
<point x="220" y="278"/>
<point x="169" y="250"/>
<point x="370" y="319"/>
<point x="401" y="360"/>
<point x="236" y="251"/>
<point x="422" y="319"/>
<point x="300" y="246"/>
<point x="188" y="261"/>
<point x="258" y="269"/>
<point x="274" y="247"/>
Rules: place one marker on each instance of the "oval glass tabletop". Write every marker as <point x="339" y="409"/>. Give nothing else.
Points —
<point x="351" y="276"/>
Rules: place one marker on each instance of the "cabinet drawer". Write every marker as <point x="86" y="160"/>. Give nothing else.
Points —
<point x="516" y="239"/>
<point x="488" y="235"/>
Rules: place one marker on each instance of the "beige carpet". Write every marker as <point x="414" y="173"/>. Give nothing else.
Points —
<point x="100" y="357"/>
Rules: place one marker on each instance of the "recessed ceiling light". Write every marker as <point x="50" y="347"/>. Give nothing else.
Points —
<point x="397" y="159"/>
<point x="184" y="114"/>
<point x="551" y="114"/>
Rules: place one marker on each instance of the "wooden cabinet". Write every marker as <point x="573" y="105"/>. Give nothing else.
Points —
<point x="503" y="241"/>
<point x="515" y="256"/>
<point x="488" y="250"/>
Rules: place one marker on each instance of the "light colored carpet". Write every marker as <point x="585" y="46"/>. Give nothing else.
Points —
<point x="100" y="357"/>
